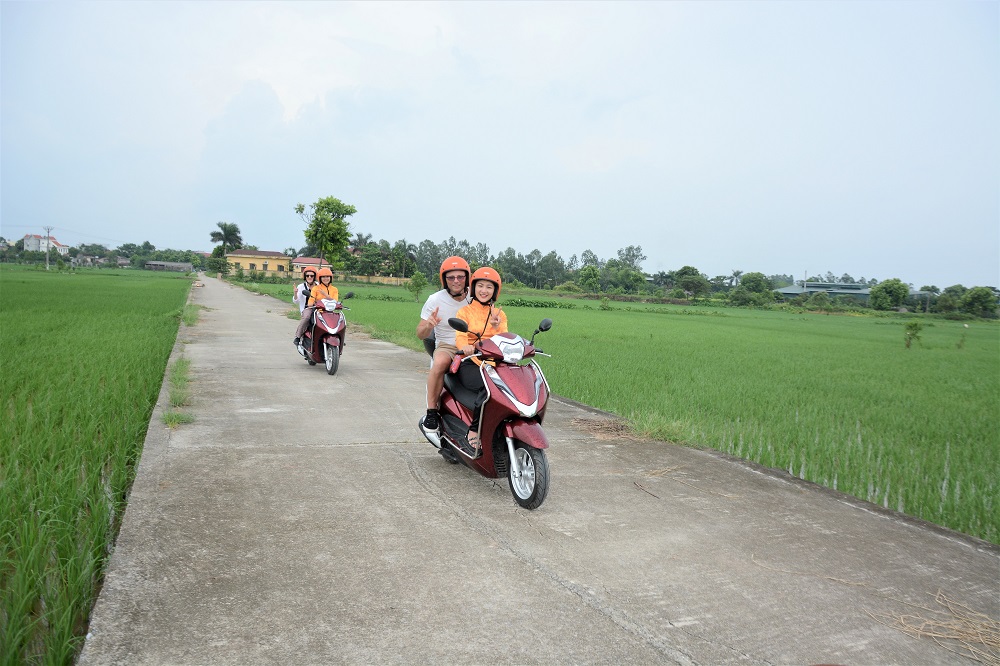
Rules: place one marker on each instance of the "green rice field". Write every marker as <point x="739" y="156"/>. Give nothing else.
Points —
<point x="837" y="400"/>
<point x="84" y="355"/>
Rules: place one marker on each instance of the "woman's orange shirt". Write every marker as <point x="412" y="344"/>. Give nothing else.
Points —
<point x="477" y="316"/>
<point x="320" y="292"/>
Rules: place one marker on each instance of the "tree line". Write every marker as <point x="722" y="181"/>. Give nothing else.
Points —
<point x="327" y="234"/>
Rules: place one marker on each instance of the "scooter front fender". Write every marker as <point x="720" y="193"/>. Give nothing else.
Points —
<point x="331" y="340"/>
<point x="529" y="432"/>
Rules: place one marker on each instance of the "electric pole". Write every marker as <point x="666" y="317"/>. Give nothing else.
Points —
<point x="48" y="245"/>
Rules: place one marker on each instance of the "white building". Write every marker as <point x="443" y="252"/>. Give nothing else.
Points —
<point x="36" y="243"/>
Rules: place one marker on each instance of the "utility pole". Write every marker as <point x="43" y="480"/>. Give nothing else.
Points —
<point x="48" y="244"/>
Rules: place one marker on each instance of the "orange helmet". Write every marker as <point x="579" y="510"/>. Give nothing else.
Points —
<point x="324" y="272"/>
<point x="454" y="264"/>
<point x="308" y="269"/>
<point x="488" y="274"/>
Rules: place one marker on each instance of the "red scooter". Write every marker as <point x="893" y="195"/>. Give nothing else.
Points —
<point x="510" y="425"/>
<point x="323" y="341"/>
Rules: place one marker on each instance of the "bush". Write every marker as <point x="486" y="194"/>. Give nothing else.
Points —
<point x="520" y="302"/>
<point x="568" y="287"/>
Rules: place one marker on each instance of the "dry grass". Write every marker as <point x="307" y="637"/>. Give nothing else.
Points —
<point x="952" y="625"/>
<point x="605" y="428"/>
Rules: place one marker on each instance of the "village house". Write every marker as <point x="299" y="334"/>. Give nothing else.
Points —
<point x="265" y="262"/>
<point x="299" y="263"/>
<point x="36" y="243"/>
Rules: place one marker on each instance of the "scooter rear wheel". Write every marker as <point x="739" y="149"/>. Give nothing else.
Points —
<point x="530" y="488"/>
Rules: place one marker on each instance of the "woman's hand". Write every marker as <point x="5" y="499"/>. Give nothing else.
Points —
<point x="495" y="316"/>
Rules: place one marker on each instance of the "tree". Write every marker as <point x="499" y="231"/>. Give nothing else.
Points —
<point x="757" y="283"/>
<point x="632" y="257"/>
<point x="229" y="235"/>
<point x="416" y="284"/>
<point x="589" y="279"/>
<point x="734" y="278"/>
<point x="945" y="303"/>
<point x="369" y="261"/>
<point x="327" y="228"/>
<point x="403" y="258"/>
<point x="360" y="240"/>
<point x="429" y="260"/>
<point x="888" y="294"/>
<point x="588" y="258"/>
<point x="979" y="301"/>
<point x="819" y="301"/>
<point x="691" y="281"/>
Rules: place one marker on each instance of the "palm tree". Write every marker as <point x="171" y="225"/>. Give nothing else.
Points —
<point x="734" y="279"/>
<point x="228" y="235"/>
<point x="360" y="240"/>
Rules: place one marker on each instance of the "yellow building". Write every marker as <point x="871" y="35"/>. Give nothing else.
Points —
<point x="274" y="264"/>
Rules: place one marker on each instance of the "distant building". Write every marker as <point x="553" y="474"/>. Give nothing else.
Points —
<point x="265" y="262"/>
<point x="858" y="291"/>
<point x="36" y="243"/>
<point x="299" y="263"/>
<point x="179" y="266"/>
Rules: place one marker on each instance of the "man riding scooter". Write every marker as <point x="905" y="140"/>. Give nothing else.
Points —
<point x="439" y="307"/>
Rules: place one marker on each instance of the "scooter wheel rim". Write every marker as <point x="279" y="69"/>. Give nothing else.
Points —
<point x="525" y="484"/>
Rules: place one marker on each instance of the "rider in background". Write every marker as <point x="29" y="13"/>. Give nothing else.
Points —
<point x="441" y="305"/>
<point x="324" y="289"/>
<point x="485" y="319"/>
<point x="303" y="289"/>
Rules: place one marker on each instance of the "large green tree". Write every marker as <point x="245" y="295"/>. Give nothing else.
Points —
<point x="229" y="235"/>
<point x="692" y="281"/>
<point x="327" y="228"/>
<point x="979" y="301"/>
<point x="888" y="294"/>
<point x="757" y="283"/>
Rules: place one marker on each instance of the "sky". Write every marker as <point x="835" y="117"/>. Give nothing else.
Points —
<point x="793" y="138"/>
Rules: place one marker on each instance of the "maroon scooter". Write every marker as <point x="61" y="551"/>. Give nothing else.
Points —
<point x="510" y="424"/>
<point x="323" y="341"/>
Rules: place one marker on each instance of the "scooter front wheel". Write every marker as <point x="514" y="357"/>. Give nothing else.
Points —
<point x="332" y="357"/>
<point x="530" y="488"/>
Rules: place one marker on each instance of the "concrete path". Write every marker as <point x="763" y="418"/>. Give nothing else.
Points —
<point x="302" y="519"/>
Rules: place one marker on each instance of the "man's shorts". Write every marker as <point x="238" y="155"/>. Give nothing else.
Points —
<point x="451" y="350"/>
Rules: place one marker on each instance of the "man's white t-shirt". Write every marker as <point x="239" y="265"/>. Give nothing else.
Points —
<point x="301" y="295"/>
<point x="447" y="307"/>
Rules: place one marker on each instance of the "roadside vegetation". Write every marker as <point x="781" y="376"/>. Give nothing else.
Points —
<point x="899" y="415"/>
<point x="84" y="358"/>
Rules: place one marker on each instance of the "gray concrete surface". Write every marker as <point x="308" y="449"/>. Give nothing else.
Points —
<point x="302" y="519"/>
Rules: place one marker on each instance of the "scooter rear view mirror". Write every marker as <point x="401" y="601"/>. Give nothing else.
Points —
<point x="458" y="324"/>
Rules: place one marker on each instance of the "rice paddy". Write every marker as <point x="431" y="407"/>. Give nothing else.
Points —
<point x="841" y="401"/>
<point x="84" y="356"/>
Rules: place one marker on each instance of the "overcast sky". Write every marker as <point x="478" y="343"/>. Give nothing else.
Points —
<point x="781" y="137"/>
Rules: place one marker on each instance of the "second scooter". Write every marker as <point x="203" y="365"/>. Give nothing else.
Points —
<point x="324" y="340"/>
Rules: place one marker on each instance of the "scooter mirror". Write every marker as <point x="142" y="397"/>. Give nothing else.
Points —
<point x="545" y="325"/>
<point x="349" y="294"/>
<point x="458" y="324"/>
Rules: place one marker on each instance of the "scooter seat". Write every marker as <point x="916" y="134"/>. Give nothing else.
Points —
<point x="459" y="390"/>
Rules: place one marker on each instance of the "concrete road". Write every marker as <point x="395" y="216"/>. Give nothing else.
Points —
<point x="302" y="519"/>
